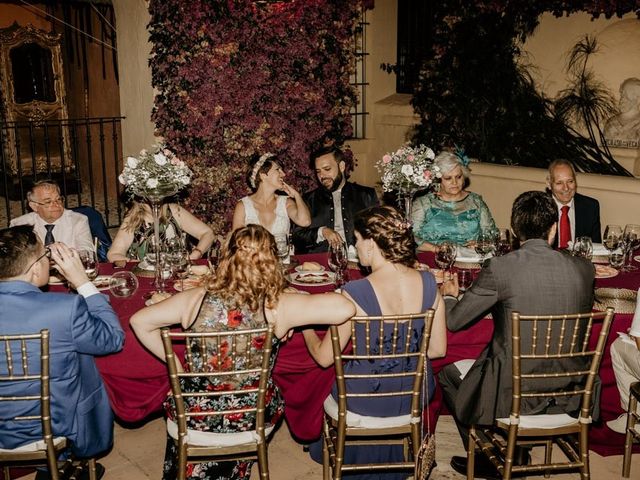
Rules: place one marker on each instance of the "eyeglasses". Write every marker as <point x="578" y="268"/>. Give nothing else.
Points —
<point x="47" y="253"/>
<point x="48" y="203"/>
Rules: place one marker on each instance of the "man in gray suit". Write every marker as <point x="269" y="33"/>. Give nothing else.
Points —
<point x="532" y="280"/>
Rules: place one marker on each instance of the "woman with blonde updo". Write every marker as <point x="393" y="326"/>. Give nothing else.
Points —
<point x="384" y="241"/>
<point x="264" y="207"/>
<point x="247" y="291"/>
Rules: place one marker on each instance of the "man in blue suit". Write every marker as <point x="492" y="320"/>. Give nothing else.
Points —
<point x="80" y="327"/>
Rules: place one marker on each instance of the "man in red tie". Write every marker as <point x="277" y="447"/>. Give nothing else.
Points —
<point x="579" y="215"/>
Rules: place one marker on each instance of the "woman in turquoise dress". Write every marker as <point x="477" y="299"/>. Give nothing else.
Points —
<point x="247" y="291"/>
<point x="384" y="242"/>
<point x="452" y="214"/>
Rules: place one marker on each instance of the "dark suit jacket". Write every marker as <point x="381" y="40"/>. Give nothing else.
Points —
<point x="587" y="218"/>
<point x="354" y="198"/>
<point x="79" y="329"/>
<point x="532" y="280"/>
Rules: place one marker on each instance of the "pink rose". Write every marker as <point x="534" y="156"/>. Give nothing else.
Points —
<point x="386" y="159"/>
<point x="427" y="175"/>
<point x="410" y="158"/>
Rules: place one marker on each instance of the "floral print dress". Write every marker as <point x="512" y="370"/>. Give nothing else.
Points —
<point x="214" y="316"/>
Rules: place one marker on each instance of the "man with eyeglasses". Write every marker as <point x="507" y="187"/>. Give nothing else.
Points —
<point x="51" y="221"/>
<point x="80" y="326"/>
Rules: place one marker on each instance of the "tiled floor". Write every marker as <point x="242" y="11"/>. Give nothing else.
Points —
<point x="138" y="454"/>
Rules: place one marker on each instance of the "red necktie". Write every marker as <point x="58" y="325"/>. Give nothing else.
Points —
<point x="565" y="228"/>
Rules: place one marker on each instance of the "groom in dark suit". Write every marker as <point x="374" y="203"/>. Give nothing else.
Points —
<point x="534" y="280"/>
<point x="80" y="326"/>
<point x="579" y="215"/>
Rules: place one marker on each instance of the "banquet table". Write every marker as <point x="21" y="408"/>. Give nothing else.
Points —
<point x="300" y="378"/>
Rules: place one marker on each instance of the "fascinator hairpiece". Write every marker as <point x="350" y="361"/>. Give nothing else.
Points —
<point x="257" y="167"/>
<point x="459" y="152"/>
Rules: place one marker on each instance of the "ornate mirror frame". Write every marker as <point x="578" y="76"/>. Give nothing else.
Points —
<point x="34" y="113"/>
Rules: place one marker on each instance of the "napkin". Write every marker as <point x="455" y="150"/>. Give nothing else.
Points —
<point x="599" y="250"/>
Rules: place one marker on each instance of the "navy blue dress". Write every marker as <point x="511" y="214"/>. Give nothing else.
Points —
<point x="363" y="294"/>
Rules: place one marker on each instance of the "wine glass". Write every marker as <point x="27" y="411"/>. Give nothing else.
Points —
<point x="123" y="284"/>
<point x="630" y="241"/>
<point x="612" y="236"/>
<point x="583" y="247"/>
<point x="89" y="261"/>
<point x="485" y="244"/>
<point x="446" y="256"/>
<point x="504" y="242"/>
<point x="180" y="263"/>
<point x="282" y="245"/>
<point x="338" y="261"/>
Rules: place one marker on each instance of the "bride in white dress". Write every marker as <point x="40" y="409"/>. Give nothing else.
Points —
<point x="264" y="207"/>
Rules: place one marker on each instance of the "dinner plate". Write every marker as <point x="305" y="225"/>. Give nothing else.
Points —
<point x="605" y="271"/>
<point x="637" y="258"/>
<point x="299" y="269"/>
<point x="311" y="279"/>
<point x="187" y="283"/>
<point x="102" y="282"/>
<point x="53" y="280"/>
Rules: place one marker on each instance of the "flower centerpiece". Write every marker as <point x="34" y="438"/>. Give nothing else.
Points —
<point x="154" y="175"/>
<point x="407" y="171"/>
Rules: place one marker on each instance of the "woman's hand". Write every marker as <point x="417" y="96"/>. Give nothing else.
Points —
<point x="289" y="190"/>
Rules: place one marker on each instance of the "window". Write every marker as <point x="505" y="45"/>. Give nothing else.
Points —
<point x="358" y="78"/>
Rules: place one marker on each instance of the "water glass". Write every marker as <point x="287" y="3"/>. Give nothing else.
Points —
<point x="485" y="244"/>
<point x="89" y="261"/>
<point x="446" y="255"/>
<point x="616" y="260"/>
<point x="338" y="261"/>
<point x="630" y="241"/>
<point x="611" y="237"/>
<point x="123" y="284"/>
<point x="583" y="247"/>
<point x="465" y="279"/>
<point x="179" y="262"/>
<point x="504" y="242"/>
<point x="282" y="245"/>
<point x="213" y="255"/>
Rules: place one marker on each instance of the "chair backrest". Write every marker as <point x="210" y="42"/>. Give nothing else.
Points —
<point x="220" y="359"/>
<point x="98" y="229"/>
<point x="560" y="347"/>
<point x="398" y="344"/>
<point x="18" y="353"/>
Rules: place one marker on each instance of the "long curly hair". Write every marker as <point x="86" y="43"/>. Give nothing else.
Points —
<point x="391" y="232"/>
<point x="249" y="273"/>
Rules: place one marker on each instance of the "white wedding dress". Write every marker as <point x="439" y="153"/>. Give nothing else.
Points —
<point x="280" y="226"/>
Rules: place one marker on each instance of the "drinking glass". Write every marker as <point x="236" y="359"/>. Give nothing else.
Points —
<point x="611" y="237"/>
<point x="123" y="284"/>
<point x="630" y="241"/>
<point x="485" y="244"/>
<point x="213" y="255"/>
<point x="583" y="247"/>
<point x="154" y="251"/>
<point x="616" y="260"/>
<point x="446" y="256"/>
<point x="465" y="279"/>
<point x="89" y="261"/>
<point x="179" y="262"/>
<point x="338" y="261"/>
<point x="504" y="242"/>
<point x="282" y="245"/>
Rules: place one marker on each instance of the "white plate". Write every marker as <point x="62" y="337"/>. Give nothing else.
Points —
<point x="301" y="270"/>
<point x="310" y="279"/>
<point x="54" y="280"/>
<point x="102" y="282"/>
<point x="637" y="258"/>
<point x="468" y="255"/>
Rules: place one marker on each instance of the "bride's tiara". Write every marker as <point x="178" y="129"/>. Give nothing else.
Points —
<point x="257" y="167"/>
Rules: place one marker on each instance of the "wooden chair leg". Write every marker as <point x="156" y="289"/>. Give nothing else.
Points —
<point x="471" y="453"/>
<point x="263" y="461"/>
<point x="628" y="439"/>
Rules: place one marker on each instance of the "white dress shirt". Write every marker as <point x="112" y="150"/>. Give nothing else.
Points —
<point x="71" y="228"/>
<point x="572" y="217"/>
<point x="338" y="223"/>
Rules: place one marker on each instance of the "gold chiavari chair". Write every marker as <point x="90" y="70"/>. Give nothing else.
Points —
<point x="225" y="357"/>
<point x="382" y="341"/>
<point x="20" y="353"/>
<point x="633" y="427"/>
<point x="565" y="367"/>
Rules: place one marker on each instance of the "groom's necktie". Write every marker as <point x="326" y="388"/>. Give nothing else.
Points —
<point x="565" y="227"/>
<point x="48" y="238"/>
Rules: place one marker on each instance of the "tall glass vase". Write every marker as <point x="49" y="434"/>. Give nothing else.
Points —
<point x="405" y="200"/>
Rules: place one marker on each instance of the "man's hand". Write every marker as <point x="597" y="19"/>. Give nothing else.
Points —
<point x="67" y="261"/>
<point x="331" y="237"/>
<point x="450" y="286"/>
